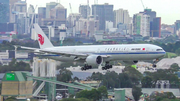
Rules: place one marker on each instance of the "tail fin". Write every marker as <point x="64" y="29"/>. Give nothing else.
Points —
<point x="43" y="41"/>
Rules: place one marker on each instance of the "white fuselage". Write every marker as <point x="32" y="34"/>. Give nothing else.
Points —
<point x="127" y="52"/>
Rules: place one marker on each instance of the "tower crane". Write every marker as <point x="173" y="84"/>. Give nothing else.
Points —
<point x="72" y="20"/>
<point x="142" y="4"/>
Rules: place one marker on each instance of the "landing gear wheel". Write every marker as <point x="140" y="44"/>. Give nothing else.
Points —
<point x="83" y="68"/>
<point x="103" y="68"/>
<point x="107" y="66"/>
<point x="154" y="66"/>
<point x="86" y="67"/>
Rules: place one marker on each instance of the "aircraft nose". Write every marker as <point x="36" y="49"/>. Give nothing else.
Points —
<point x="164" y="52"/>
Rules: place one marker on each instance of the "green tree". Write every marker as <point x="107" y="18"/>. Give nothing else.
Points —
<point x="125" y="81"/>
<point x="15" y="66"/>
<point x="165" y="96"/>
<point x="103" y="92"/>
<point x="78" y="99"/>
<point x="64" y="75"/>
<point x="136" y="92"/>
<point x="165" y="74"/>
<point x="92" y="94"/>
<point x="97" y="76"/>
<point x="146" y="82"/>
<point x="174" y="67"/>
<point x="133" y="74"/>
<point x="76" y="78"/>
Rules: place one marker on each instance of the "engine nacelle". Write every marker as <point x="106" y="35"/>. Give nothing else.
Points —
<point x="94" y="60"/>
<point x="130" y="62"/>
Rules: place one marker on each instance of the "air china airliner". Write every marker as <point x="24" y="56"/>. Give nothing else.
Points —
<point x="95" y="55"/>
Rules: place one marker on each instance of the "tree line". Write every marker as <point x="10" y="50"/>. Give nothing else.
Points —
<point x="15" y="66"/>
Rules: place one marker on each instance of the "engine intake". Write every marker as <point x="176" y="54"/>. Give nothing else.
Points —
<point x="94" y="60"/>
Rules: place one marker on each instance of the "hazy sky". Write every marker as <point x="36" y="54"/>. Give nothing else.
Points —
<point x="169" y="10"/>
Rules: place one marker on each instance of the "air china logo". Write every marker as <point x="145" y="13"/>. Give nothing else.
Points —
<point x="144" y="49"/>
<point x="41" y="39"/>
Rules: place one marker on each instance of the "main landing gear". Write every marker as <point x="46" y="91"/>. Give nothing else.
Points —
<point x="86" y="67"/>
<point x="154" y="63"/>
<point x="107" y="66"/>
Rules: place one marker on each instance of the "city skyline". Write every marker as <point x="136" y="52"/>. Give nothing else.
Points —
<point x="169" y="11"/>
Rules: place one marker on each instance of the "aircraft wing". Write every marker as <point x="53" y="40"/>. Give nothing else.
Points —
<point x="65" y="53"/>
<point x="82" y="55"/>
<point x="29" y="48"/>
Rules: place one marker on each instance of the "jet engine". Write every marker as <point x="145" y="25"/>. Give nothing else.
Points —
<point x="94" y="60"/>
<point x="130" y="62"/>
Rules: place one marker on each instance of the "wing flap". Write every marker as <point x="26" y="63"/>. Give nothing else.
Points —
<point x="65" y="53"/>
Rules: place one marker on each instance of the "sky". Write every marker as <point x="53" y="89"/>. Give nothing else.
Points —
<point x="168" y="10"/>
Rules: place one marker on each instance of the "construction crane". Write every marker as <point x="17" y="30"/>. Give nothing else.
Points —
<point x="95" y="3"/>
<point x="32" y="19"/>
<point x="142" y="4"/>
<point x="1" y="61"/>
<point x="87" y="33"/>
<point x="72" y="20"/>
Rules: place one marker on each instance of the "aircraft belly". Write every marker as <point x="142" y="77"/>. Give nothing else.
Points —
<point x="63" y="59"/>
<point x="134" y="57"/>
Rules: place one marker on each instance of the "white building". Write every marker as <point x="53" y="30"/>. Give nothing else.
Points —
<point x="126" y="17"/>
<point x="50" y="6"/>
<point x="109" y="25"/>
<point x="20" y="6"/>
<point x="141" y="24"/>
<point x="85" y="26"/>
<point x="72" y="18"/>
<point x="121" y="16"/>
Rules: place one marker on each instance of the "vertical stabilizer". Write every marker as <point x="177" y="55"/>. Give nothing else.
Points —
<point x="43" y="41"/>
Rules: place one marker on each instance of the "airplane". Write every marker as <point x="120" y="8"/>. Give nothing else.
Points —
<point x="96" y="55"/>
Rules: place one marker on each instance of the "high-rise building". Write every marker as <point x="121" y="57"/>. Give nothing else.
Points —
<point x="72" y="18"/>
<point x="104" y="13"/>
<point x="81" y="25"/>
<point x="109" y="25"/>
<point x="126" y="17"/>
<point x="50" y="6"/>
<point x="141" y="24"/>
<point x="177" y="26"/>
<point x="83" y="10"/>
<point x="21" y="23"/>
<point x="11" y="10"/>
<point x="58" y="16"/>
<point x="41" y="14"/>
<point x="4" y="11"/>
<point x="156" y="30"/>
<point x="20" y="6"/>
<point x="121" y="16"/>
<point x="152" y="15"/>
<point x="59" y="12"/>
<point x="118" y="17"/>
<point x="21" y="17"/>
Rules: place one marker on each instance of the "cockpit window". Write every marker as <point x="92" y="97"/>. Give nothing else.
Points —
<point x="159" y="49"/>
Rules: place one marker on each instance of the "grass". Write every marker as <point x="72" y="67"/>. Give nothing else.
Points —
<point x="170" y="55"/>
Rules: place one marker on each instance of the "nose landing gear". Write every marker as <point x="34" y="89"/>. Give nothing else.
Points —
<point x="154" y="63"/>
